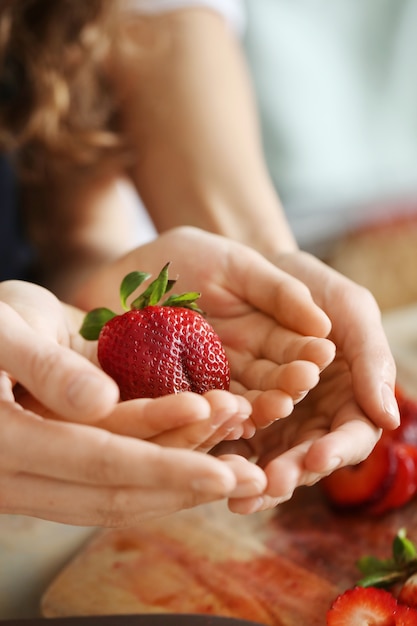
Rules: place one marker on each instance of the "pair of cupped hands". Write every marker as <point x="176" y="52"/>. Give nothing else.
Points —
<point x="312" y="386"/>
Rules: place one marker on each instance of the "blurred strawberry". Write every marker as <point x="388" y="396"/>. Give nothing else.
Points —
<point x="387" y="479"/>
<point x="404" y="486"/>
<point x="408" y="592"/>
<point x="362" y="606"/>
<point x="407" y="430"/>
<point x="405" y="616"/>
<point x="365" y="483"/>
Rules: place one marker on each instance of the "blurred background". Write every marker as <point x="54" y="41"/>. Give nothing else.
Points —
<point x="337" y="95"/>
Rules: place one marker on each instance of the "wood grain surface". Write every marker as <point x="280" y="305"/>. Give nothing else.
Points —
<point x="279" y="568"/>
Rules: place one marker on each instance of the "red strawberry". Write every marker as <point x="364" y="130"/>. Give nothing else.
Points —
<point x="408" y="592"/>
<point x="362" y="606"/>
<point x="407" y="430"/>
<point x="156" y="349"/>
<point x="404" y="485"/>
<point x="364" y="483"/>
<point x="405" y="616"/>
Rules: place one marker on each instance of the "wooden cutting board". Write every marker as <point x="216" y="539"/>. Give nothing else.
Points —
<point x="201" y="561"/>
<point x="279" y="568"/>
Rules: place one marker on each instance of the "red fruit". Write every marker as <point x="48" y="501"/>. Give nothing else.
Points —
<point x="404" y="485"/>
<point x="407" y="430"/>
<point x="363" y="606"/>
<point x="364" y="483"/>
<point x="155" y="349"/>
<point x="161" y="350"/>
<point x="405" y="616"/>
<point x="408" y="592"/>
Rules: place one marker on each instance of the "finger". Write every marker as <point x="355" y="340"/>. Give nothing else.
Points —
<point x="90" y="455"/>
<point x="278" y="294"/>
<point x="358" y="332"/>
<point x="268" y="406"/>
<point x="6" y="387"/>
<point x="318" y="455"/>
<point x="183" y="420"/>
<point x="146" y="418"/>
<point x="85" y="505"/>
<point x="295" y="378"/>
<point x="251" y="479"/>
<point x="228" y="413"/>
<point x="58" y="377"/>
<point x="274" y="343"/>
<point x="373" y="367"/>
<point x="349" y="444"/>
<point x="309" y="461"/>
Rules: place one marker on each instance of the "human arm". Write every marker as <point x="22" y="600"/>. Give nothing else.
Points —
<point x="188" y="112"/>
<point x="204" y="140"/>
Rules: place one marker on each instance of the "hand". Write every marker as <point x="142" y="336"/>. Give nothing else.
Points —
<point x="327" y="430"/>
<point x="79" y="473"/>
<point x="340" y="421"/>
<point x="358" y="334"/>
<point x="273" y="333"/>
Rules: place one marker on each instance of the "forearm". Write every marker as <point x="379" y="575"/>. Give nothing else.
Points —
<point x="190" y="113"/>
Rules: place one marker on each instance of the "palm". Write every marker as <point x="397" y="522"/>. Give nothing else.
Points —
<point x="357" y="331"/>
<point x="325" y="430"/>
<point x="265" y="318"/>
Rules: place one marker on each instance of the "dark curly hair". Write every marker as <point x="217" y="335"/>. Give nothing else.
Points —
<point x="57" y="107"/>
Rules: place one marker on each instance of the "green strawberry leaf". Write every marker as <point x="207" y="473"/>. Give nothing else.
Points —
<point x="95" y="319"/>
<point x="403" y="549"/>
<point x="381" y="580"/>
<point x="370" y="565"/>
<point x="154" y="292"/>
<point x="94" y="322"/>
<point x="386" y="572"/>
<point x="129" y="284"/>
<point x="187" y="300"/>
<point x="171" y="282"/>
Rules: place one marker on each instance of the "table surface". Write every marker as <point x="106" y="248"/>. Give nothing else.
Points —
<point x="33" y="551"/>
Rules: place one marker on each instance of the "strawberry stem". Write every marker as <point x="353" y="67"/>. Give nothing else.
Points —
<point x="129" y="284"/>
<point x="154" y="292"/>
<point x="97" y="318"/>
<point x="386" y="572"/>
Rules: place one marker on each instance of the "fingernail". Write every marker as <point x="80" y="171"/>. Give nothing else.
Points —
<point x="390" y="403"/>
<point x="333" y="464"/>
<point x="257" y="504"/>
<point x="300" y="396"/>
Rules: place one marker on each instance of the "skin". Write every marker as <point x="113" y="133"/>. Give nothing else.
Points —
<point x="127" y="460"/>
<point x="205" y="140"/>
<point x="108" y="479"/>
<point x="273" y="333"/>
<point x="327" y="429"/>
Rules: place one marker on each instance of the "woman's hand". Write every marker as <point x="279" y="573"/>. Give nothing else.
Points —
<point x="340" y="421"/>
<point x="357" y="332"/>
<point x="327" y="430"/>
<point x="273" y="333"/>
<point x="73" y="471"/>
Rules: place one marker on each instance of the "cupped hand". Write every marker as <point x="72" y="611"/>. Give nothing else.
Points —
<point x="327" y="430"/>
<point x="357" y="332"/>
<point x="70" y="470"/>
<point x="273" y="332"/>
